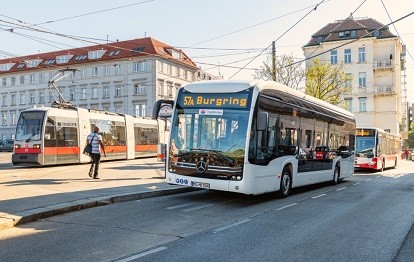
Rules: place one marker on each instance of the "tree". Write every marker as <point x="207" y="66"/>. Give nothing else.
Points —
<point x="409" y="143"/>
<point x="327" y="82"/>
<point x="286" y="73"/>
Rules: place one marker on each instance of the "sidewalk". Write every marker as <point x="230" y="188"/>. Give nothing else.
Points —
<point x="29" y="194"/>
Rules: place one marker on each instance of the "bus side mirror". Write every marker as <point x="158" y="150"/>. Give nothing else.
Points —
<point x="262" y="121"/>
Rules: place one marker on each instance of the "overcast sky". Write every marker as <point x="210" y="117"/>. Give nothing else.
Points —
<point x="229" y="33"/>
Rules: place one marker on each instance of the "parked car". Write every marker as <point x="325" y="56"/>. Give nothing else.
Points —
<point x="7" y="145"/>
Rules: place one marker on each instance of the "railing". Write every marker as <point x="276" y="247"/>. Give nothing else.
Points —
<point x="383" y="63"/>
<point x="384" y="90"/>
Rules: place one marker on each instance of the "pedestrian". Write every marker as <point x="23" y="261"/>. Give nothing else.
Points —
<point x="406" y="153"/>
<point x="95" y="139"/>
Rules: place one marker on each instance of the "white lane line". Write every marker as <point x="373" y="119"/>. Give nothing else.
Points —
<point x="232" y="225"/>
<point x="283" y="207"/>
<point x="180" y="206"/>
<point x="369" y="179"/>
<point x="197" y="208"/>
<point x="356" y="183"/>
<point x="342" y="188"/>
<point x="146" y="253"/>
<point x="321" y="195"/>
<point x="377" y="176"/>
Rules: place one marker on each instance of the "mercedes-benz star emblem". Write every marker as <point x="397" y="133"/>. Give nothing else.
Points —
<point x="201" y="167"/>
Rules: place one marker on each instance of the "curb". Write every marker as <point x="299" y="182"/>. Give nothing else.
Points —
<point x="9" y="220"/>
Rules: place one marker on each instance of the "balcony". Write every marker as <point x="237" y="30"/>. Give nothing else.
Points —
<point x="384" y="90"/>
<point x="383" y="64"/>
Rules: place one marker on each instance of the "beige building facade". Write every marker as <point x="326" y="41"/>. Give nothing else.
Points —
<point x="374" y="58"/>
<point x="124" y="77"/>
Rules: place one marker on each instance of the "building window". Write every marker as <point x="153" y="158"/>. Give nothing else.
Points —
<point x="83" y="73"/>
<point x="32" y="98"/>
<point x="176" y="54"/>
<point x="13" y="117"/>
<point x="4" y="100"/>
<point x="139" y="66"/>
<point x="319" y="39"/>
<point x="94" y="92"/>
<point x="95" y="71"/>
<point x="160" y="67"/>
<point x="160" y="90"/>
<point x="362" y="79"/>
<point x="22" y="99"/>
<point x="4" y="81"/>
<point x="41" y="77"/>
<point x="31" y="79"/>
<point x="361" y="54"/>
<point x="348" y="103"/>
<point x="106" y="70"/>
<point x="83" y="93"/>
<point x="347" y="56"/>
<point x="51" y="75"/>
<point x="72" y="94"/>
<point x="140" y="110"/>
<point x="118" y="90"/>
<point x="169" y="69"/>
<point x="41" y="97"/>
<point x="117" y="69"/>
<point x="139" y="89"/>
<point x="13" y="100"/>
<point x="105" y="92"/>
<point x="22" y="80"/>
<point x="169" y="89"/>
<point x="334" y="57"/>
<point x="353" y="33"/>
<point x="377" y="33"/>
<point x="63" y="59"/>
<point x="13" y="80"/>
<point x="3" y="118"/>
<point x="362" y="104"/>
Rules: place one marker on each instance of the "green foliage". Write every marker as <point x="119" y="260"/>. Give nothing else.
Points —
<point x="286" y="73"/>
<point x="327" y="82"/>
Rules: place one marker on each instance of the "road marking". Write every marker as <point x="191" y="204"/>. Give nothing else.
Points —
<point x="321" y="195"/>
<point x="232" y="225"/>
<point x="399" y="175"/>
<point x="283" y="207"/>
<point x="146" y="253"/>
<point x="369" y="179"/>
<point x="342" y="188"/>
<point x="180" y="206"/>
<point x="357" y="183"/>
<point x="377" y="176"/>
<point x="197" y="208"/>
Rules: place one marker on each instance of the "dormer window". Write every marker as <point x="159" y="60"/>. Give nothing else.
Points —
<point x="32" y="63"/>
<point x="319" y="39"/>
<point x="96" y="54"/>
<point x="114" y="53"/>
<point x="347" y="34"/>
<point x="176" y="54"/>
<point x="377" y="33"/>
<point x="6" y="67"/>
<point x="63" y="59"/>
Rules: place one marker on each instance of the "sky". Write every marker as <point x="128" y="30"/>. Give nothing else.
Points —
<point x="227" y="37"/>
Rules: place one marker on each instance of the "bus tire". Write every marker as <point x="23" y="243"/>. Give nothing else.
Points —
<point x="336" y="173"/>
<point x="285" y="183"/>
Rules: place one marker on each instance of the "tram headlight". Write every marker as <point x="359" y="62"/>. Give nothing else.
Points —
<point x="37" y="146"/>
<point x="16" y="146"/>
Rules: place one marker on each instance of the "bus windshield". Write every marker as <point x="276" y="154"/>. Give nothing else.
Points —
<point x="29" y="126"/>
<point x="215" y="130"/>
<point x="365" y="145"/>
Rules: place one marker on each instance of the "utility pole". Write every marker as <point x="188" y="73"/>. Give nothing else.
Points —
<point x="273" y="61"/>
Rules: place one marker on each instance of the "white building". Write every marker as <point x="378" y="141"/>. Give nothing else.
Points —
<point x="374" y="61"/>
<point x="126" y="77"/>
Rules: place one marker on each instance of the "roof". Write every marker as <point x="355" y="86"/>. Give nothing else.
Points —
<point x="363" y="27"/>
<point x="112" y="51"/>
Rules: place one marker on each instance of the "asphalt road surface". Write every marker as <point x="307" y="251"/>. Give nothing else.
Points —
<point x="367" y="217"/>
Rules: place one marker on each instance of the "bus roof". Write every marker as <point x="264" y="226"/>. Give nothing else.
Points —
<point x="217" y="86"/>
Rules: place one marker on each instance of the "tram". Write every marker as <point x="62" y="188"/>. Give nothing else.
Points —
<point x="57" y="135"/>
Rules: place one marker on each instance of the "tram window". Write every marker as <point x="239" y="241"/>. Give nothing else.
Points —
<point x="50" y="133"/>
<point x="67" y="137"/>
<point x="121" y="141"/>
<point x="146" y="136"/>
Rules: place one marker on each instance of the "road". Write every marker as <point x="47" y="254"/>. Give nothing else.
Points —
<point x="364" y="218"/>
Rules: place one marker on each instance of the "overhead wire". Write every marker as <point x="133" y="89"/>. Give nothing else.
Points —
<point x="314" y="9"/>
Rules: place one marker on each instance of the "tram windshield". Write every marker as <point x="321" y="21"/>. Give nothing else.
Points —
<point x="29" y="126"/>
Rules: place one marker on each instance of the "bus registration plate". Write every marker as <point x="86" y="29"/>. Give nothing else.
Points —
<point x="200" y="185"/>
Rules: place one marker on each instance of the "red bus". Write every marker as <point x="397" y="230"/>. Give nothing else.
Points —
<point x="376" y="149"/>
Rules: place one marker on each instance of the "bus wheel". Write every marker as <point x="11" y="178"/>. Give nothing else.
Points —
<point x="285" y="183"/>
<point x="336" y="175"/>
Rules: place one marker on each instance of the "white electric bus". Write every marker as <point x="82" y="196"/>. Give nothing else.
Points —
<point x="254" y="137"/>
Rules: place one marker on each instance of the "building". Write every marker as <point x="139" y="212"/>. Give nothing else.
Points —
<point x="374" y="58"/>
<point x="125" y="77"/>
